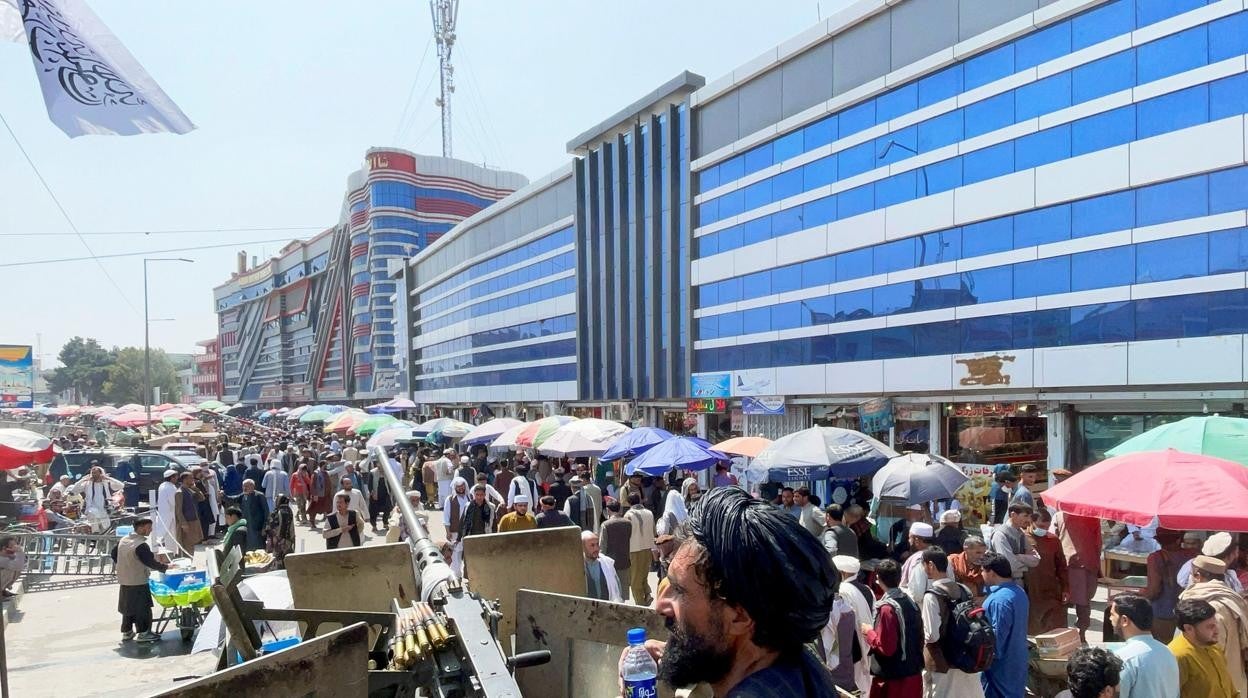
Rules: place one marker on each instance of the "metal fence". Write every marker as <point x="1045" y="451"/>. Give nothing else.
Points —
<point x="64" y="560"/>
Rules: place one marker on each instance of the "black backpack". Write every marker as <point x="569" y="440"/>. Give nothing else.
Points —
<point x="966" y="639"/>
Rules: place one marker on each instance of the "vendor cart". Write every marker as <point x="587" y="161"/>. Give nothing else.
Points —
<point x="184" y="598"/>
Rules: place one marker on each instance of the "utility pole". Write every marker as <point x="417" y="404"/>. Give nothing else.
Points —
<point x="444" y="13"/>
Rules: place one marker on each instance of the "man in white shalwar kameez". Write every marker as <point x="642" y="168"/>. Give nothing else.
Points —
<point x="212" y="484"/>
<point x="358" y="503"/>
<point x="97" y="490"/>
<point x="164" y="533"/>
<point x="848" y="567"/>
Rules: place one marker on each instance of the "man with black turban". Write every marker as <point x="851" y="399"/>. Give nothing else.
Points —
<point x="747" y="588"/>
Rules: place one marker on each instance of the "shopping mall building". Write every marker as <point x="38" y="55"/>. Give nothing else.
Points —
<point x="1013" y="230"/>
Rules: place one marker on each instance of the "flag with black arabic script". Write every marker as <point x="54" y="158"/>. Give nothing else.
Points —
<point x="91" y="84"/>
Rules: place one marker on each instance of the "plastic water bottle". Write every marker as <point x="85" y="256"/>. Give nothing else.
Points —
<point x="639" y="670"/>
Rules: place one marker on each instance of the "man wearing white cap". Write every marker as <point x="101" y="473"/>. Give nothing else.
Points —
<point x="1219" y="545"/>
<point x="913" y="577"/>
<point x="860" y="600"/>
<point x="164" y="533"/>
<point x="518" y="520"/>
<point x="1208" y="584"/>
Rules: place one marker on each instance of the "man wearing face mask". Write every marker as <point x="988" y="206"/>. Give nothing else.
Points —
<point x="1047" y="585"/>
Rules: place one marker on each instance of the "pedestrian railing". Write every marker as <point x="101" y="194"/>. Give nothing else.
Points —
<point x="65" y="560"/>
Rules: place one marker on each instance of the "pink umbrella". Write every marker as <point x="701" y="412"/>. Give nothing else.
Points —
<point x="20" y="447"/>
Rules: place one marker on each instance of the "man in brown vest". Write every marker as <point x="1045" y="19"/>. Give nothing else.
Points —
<point x="133" y="558"/>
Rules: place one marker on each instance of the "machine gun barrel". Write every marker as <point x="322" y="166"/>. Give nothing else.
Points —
<point x="431" y="567"/>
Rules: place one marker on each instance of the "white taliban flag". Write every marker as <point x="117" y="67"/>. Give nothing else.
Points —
<point x="91" y="84"/>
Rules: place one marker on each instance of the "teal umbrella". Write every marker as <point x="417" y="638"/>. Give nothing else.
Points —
<point x="315" y="416"/>
<point x="374" y="423"/>
<point x="1220" y="437"/>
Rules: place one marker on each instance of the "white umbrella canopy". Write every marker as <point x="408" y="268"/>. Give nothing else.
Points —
<point x="915" y="478"/>
<point x="818" y="453"/>
<point x="507" y="439"/>
<point x="391" y="434"/>
<point x="488" y="431"/>
<point x="584" y="437"/>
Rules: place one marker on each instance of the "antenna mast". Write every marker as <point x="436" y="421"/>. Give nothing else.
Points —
<point x="444" y="13"/>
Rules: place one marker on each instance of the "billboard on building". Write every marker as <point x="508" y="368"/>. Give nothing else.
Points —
<point x="17" y="375"/>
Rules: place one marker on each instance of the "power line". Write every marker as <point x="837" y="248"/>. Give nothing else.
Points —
<point x="65" y="213"/>
<point x="412" y="90"/>
<point x="34" y="262"/>
<point x="187" y="231"/>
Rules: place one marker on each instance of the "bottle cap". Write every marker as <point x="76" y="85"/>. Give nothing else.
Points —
<point x="636" y="636"/>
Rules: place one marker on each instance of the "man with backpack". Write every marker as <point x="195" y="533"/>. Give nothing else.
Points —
<point x="958" y="641"/>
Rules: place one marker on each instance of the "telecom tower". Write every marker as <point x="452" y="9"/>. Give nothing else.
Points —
<point x="444" y="13"/>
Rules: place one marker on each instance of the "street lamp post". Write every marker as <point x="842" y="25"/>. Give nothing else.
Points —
<point x="147" y="345"/>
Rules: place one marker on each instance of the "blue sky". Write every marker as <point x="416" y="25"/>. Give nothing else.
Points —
<point x="287" y="97"/>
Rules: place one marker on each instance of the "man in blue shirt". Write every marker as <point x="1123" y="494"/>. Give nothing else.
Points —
<point x="1007" y="608"/>
<point x="1149" y="669"/>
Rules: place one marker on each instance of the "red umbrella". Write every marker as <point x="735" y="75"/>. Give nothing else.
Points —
<point x="1183" y="491"/>
<point x="20" y="447"/>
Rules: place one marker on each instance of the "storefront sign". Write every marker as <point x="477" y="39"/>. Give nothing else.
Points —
<point x="986" y="369"/>
<point x="707" y="405"/>
<point x="984" y="409"/>
<point x="737" y="423"/>
<point x="762" y="405"/>
<point x="761" y="382"/>
<point x="910" y="413"/>
<point x="711" y="385"/>
<point x="875" y="416"/>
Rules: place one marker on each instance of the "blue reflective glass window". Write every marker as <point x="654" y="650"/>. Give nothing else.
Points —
<point x="902" y="100"/>
<point x="730" y="238"/>
<point x="940" y="86"/>
<point x="1041" y="46"/>
<point x="1104" y="76"/>
<point x="1042" y="147"/>
<point x="936" y="338"/>
<point x="1100" y="323"/>
<point x="823" y="349"/>
<point x="708" y="327"/>
<point x="1043" y="328"/>
<point x="1042" y="225"/>
<point x="1152" y="11"/>
<point x="1042" y="277"/>
<point x="855" y="264"/>
<point x="730" y="290"/>
<point x="1104" y="130"/>
<point x="818" y="271"/>
<point x="791" y="352"/>
<point x="941" y="176"/>
<point x="896" y="146"/>
<point x="903" y="186"/>
<point x="940" y="292"/>
<point x="1173" y="111"/>
<point x="1102" y="214"/>
<point x="853" y="346"/>
<point x="755" y="355"/>
<point x="1176" y="258"/>
<point x="892" y="343"/>
<point x="732" y="169"/>
<point x="893" y="256"/>
<point x="1176" y="316"/>
<point x="729" y="324"/>
<point x="986" y="163"/>
<point x="988" y="285"/>
<point x="988" y="67"/>
<point x="1173" y="54"/>
<point x="787" y="146"/>
<point x="818" y="311"/>
<point x="1228" y="97"/>
<point x="755" y="285"/>
<point x="821" y="132"/>
<point x="787" y="221"/>
<point x="939" y="131"/>
<point x="708" y="294"/>
<point x="819" y="211"/>
<point x="786" y="278"/>
<point x="989" y="114"/>
<point x="942" y="246"/>
<point x="893" y="298"/>
<point x="853" y="305"/>
<point x="758" y="158"/>
<point x="819" y="172"/>
<point x="708" y="179"/>
<point x="731" y="204"/>
<point x="855" y="201"/>
<point x="756" y="230"/>
<point x="786" y="184"/>
<point x="1106" y="268"/>
<point x="1105" y="22"/>
<point x="1228" y="37"/>
<point x="786" y="316"/>
<point x="857" y="118"/>
<point x="1228" y="312"/>
<point x="987" y="237"/>
<point x="856" y="160"/>
<point x="991" y="333"/>
<point x="1172" y="201"/>
<point x="757" y="194"/>
<point x="1043" y="96"/>
<point x="1228" y="190"/>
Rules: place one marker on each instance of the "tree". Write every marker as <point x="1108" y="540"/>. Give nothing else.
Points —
<point x="125" y="377"/>
<point x="85" y="368"/>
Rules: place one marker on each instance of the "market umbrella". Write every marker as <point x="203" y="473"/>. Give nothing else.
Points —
<point x="748" y="446"/>
<point x="210" y="404"/>
<point x="398" y="404"/>
<point x="683" y="452"/>
<point x="535" y="434"/>
<point x="1181" y="491"/>
<point x="391" y="434"/>
<point x="487" y="431"/>
<point x="298" y="412"/>
<point x="915" y="478"/>
<point x="583" y="438"/>
<point x="20" y="447"/>
<point x="373" y="423"/>
<point x="636" y="442"/>
<point x="1220" y="437"/>
<point x="131" y="419"/>
<point x="442" y="427"/>
<point x="340" y="423"/>
<point x="818" y="453"/>
<point x="312" y="416"/>
<point x="507" y="439"/>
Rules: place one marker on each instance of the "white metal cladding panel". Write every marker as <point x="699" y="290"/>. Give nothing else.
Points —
<point x="1192" y="360"/>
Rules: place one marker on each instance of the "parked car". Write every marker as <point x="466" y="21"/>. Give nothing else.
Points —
<point x="142" y="471"/>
